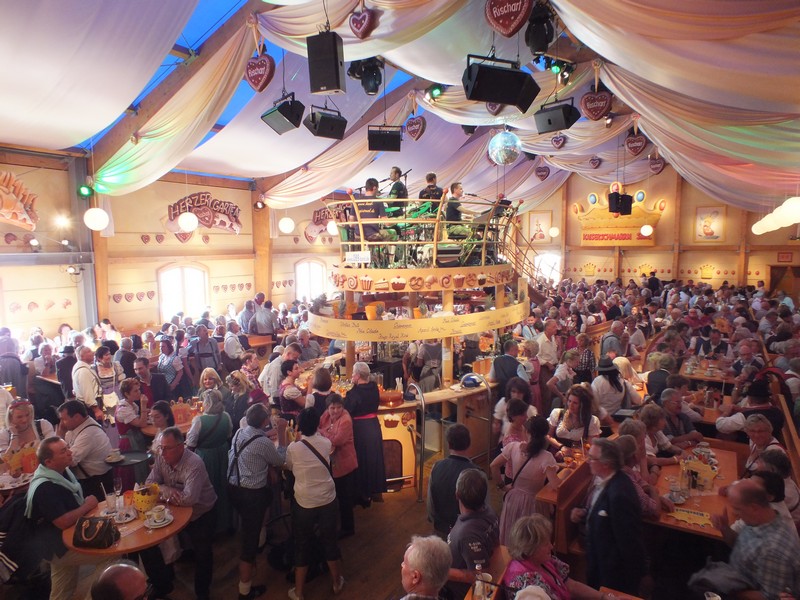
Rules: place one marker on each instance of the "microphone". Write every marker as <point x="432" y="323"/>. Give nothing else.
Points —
<point x="406" y="173"/>
<point x="471" y="195"/>
<point x="383" y="180"/>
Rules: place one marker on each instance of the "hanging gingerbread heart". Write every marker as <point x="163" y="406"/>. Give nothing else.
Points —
<point x="216" y="289"/>
<point x="117" y="298"/>
<point x="159" y="237"/>
<point x="657" y="165"/>
<point x="296" y="239"/>
<point x="493" y="108"/>
<point x="507" y="17"/>
<point x="129" y="297"/>
<point x="259" y="71"/>
<point x="145" y="238"/>
<point x="183" y="236"/>
<point x="277" y="284"/>
<point x="363" y="22"/>
<point x="595" y="162"/>
<point x="224" y="288"/>
<point x="240" y="286"/>
<point x="596" y="105"/>
<point x="635" y="144"/>
<point x="291" y="282"/>
<point x="248" y="286"/>
<point x="206" y="239"/>
<point x="140" y="296"/>
<point x="558" y="141"/>
<point x="415" y="127"/>
<point x="542" y="173"/>
<point x="151" y="294"/>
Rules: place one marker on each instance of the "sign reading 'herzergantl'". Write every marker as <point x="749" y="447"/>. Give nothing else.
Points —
<point x="210" y="211"/>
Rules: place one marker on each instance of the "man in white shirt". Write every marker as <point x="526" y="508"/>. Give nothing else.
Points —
<point x="232" y="346"/>
<point x="85" y="382"/>
<point x="270" y="378"/>
<point x="89" y="445"/>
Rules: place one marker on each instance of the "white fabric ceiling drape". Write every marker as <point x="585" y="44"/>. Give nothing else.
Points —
<point x="180" y="124"/>
<point x="71" y="68"/>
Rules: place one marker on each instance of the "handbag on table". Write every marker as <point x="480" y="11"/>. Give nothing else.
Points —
<point x="95" y="532"/>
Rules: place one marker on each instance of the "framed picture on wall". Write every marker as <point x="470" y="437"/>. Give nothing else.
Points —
<point x="709" y="224"/>
<point x="539" y="224"/>
<point x="785" y="257"/>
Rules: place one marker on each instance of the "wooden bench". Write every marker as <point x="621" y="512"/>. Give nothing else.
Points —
<point x="791" y="439"/>
<point x="596" y="333"/>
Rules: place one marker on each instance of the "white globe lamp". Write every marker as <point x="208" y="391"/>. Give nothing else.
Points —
<point x="96" y="219"/>
<point x="332" y="228"/>
<point x="646" y="230"/>
<point x="554" y="232"/>
<point x="188" y="222"/>
<point x="286" y="225"/>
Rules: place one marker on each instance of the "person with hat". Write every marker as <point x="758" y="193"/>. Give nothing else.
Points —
<point x="64" y="367"/>
<point x="746" y="400"/>
<point x="612" y="391"/>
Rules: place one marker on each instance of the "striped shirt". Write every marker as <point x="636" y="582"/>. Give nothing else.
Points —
<point x="254" y="460"/>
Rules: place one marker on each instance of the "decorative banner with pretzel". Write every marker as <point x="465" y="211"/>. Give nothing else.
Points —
<point x="210" y="212"/>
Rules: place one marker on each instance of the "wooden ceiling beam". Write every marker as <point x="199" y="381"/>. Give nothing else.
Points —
<point x="118" y="135"/>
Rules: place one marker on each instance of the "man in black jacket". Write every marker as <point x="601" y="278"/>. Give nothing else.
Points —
<point x="64" y="370"/>
<point x="125" y="356"/>
<point x="154" y="384"/>
<point x="442" y="503"/>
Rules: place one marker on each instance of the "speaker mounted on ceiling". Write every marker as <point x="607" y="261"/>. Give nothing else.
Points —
<point x="556" y="117"/>
<point x="326" y="63"/>
<point x="326" y="123"/>
<point x="286" y="114"/>
<point x="620" y="203"/>
<point x="384" y="138"/>
<point x="489" y="79"/>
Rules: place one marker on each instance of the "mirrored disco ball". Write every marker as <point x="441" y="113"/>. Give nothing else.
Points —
<point x="505" y="148"/>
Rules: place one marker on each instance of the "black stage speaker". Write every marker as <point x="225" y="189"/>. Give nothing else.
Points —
<point x="620" y="203"/>
<point x="285" y="116"/>
<point x="504" y="85"/>
<point x="326" y="63"/>
<point x="384" y="139"/>
<point x="325" y="124"/>
<point x="556" y="118"/>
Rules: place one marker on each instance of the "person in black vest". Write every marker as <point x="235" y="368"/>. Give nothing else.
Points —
<point x="64" y="370"/>
<point x="442" y="503"/>
<point x="715" y="347"/>
<point x="125" y="356"/>
<point x="507" y="366"/>
<point x="654" y="283"/>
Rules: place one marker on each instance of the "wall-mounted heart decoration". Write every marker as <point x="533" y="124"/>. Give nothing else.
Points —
<point x="216" y="289"/>
<point x="284" y="283"/>
<point x="277" y="284"/>
<point x="159" y="237"/>
<point x="558" y="141"/>
<point x="117" y="298"/>
<point x="224" y="288"/>
<point x="206" y="239"/>
<point x="248" y="286"/>
<point x="129" y="297"/>
<point x="232" y="288"/>
<point x="259" y="71"/>
<point x="657" y="165"/>
<point x="151" y="294"/>
<point x="415" y="127"/>
<point x="595" y="162"/>
<point x="15" y="307"/>
<point x="296" y="239"/>
<point x="273" y="284"/>
<point x="240" y="286"/>
<point x="67" y="302"/>
<point x="291" y="282"/>
<point x="596" y="105"/>
<point x="507" y="17"/>
<point x="10" y="238"/>
<point x="145" y="238"/>
<point x="140" y="296"/>
<point x="542" y="173"/>
<point x="32" y="306"/>
<point x="363" y="22"/>
<point x="183" y="236"/>
<point x="635" y="144"/>
<point x="50" y="304"/>
<point x="493" y="108"/>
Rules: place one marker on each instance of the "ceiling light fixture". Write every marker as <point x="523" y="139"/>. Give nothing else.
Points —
<point x="96" y="219"/>
<point x="554" y="232"/>
<point x="541" y="31"/>
<point x="286" y="225"/>
<point x="434" y="91"/>
<point x="259" y="204"/>
<point x="368" y="72"/>
<point x="646" y="230"/>
<point x="332" y="227"/>
<point x="188" y="222"/>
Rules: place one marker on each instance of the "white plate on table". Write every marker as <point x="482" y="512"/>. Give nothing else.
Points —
<point x="153" y="525"/>
<point x="121" y="518"/>
<point x="111" y="459"/>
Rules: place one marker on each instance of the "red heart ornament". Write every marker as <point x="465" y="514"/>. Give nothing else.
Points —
<point x="159" y="237"/>
<point x="248" y="286"/>
<point x="595" y="162"/>
<point x="635" y="144"/>
<point x="145" y="238"/>
<point x="415" y="127"/>
<point x="183" y="236"/>
<point x="596" y="105"/>
<point x="259" y="71"/>
<point x="507" y="17"/>
<point x="363" y="22"/>
<point x="291" y="282"/>
<point x="542" y="173"/>
<point x="558" y="141"/>
<point x="277" y="284"/>
<point x="224" y="288"/>
<point x="284" y="283"/>
<point x="10" y="238"/>
<point x="240" y="286"/>
<point x="140" y="296"/>
<point x="657" y="165"/>
<point x="151" y="294"/>
<point x="493" y="108"/>
<point x="117" y="298"/>
<point x="206" y="239"/>
<point x="129" y="297"/>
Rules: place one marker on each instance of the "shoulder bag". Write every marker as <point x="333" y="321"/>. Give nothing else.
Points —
<point x="321" y="459"/>
<point x="513" y="481"/>
<point x="95" y="532"/>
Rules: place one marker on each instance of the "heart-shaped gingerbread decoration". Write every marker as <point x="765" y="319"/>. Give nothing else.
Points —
<point x="259" y="71"/>
<point x="159" y="237"/>
<point x="145" y="238"/>
<point x="493" y="108"/>
<point x="291" y="282"/>
<point x="129" y="297"/>
<point x="183" y="236"/>
<point x="240" y="286"/>
<point x="151" y="294"/>
<point x="248" y="286"/>
<point x="635" y="144"/>
<point x="558" y="141"/>
<point x="117" y="298"/>
<point x="542" y="173"/>
<point x="140" y="296"/>
<point x="363" y="22"/>
<point x="216" y="289"/>
<point x="596" y="105"/>
<point x="657" y="165"/>
<point x="415" y="127"/>
<point x="507" y="17"/>
<point x="206" y="239"/>
<point x="595" y="162"/>
<point x="278" y="284"/>
<point x="224" y="288"/>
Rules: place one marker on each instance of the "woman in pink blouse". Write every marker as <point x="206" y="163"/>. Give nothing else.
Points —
<point x="337" y="425"/>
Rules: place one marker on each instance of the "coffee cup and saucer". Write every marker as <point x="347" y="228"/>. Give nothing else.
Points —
<point x="159" y="516"/>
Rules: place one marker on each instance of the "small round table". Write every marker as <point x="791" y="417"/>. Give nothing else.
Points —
<point x="130" y="458"/>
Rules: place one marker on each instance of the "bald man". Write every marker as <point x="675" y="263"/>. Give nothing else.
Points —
<point x="120" y="582"/>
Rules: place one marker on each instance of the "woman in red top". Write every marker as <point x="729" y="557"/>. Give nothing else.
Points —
<point x="337" y="425"/>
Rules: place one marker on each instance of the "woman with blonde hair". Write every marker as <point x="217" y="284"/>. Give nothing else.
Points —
<point x="626" y="370"/>
<point x="238" y="400"/>
<point x="660" y="451"/>
<point x="20" y="438"/>
<point x="530" y="362"/>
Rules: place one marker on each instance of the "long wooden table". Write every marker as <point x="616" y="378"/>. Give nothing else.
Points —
<point x="708" y="371"/>
<point x="152" y="430"/>
<point x="134" y="536"/>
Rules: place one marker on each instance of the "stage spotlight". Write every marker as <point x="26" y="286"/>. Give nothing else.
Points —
<point x="85" y="191"/>
<point x="609" y="120"/>
<point x="259" y="205"/>
<point x="540" y="32"/>
<point x="355" y="70"/>
<point x="434" y="91"/>
<point x="371" y="77"/>
<point x="469" y="129"/>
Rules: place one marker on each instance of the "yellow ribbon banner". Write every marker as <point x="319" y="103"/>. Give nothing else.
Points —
<point x="404" y="330"/>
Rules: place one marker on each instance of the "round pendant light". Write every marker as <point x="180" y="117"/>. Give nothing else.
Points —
<point x="188" y="222"/>
<point x="332" y="228"/>
<point x="286" y="225"/>
<point x="96" y="219"/>
<point x="646" y="230"/>
<point x="553" y="232"/>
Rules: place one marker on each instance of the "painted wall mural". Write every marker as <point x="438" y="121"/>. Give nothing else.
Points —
<point x="17" y="203"/>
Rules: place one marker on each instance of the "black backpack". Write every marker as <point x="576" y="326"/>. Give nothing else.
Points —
<point x="18" y="554"/>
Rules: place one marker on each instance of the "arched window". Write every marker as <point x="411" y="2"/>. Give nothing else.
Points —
<point x="310" y="278"/>
<point x="182" y="288"/>
<point x="548" y="265"/>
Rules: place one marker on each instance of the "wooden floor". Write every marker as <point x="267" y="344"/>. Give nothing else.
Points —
<point x="370" y="564"/>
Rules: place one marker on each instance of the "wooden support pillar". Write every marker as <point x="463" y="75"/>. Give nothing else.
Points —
<point x="618" y="254"/>
<point x="744" y="252"/>
<point x="676" y="227"/>
<point x="447" y="343"/>
<point x="262" y="247"/>
<point x="350" y="346"/>
<point x="100" y="246"/>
